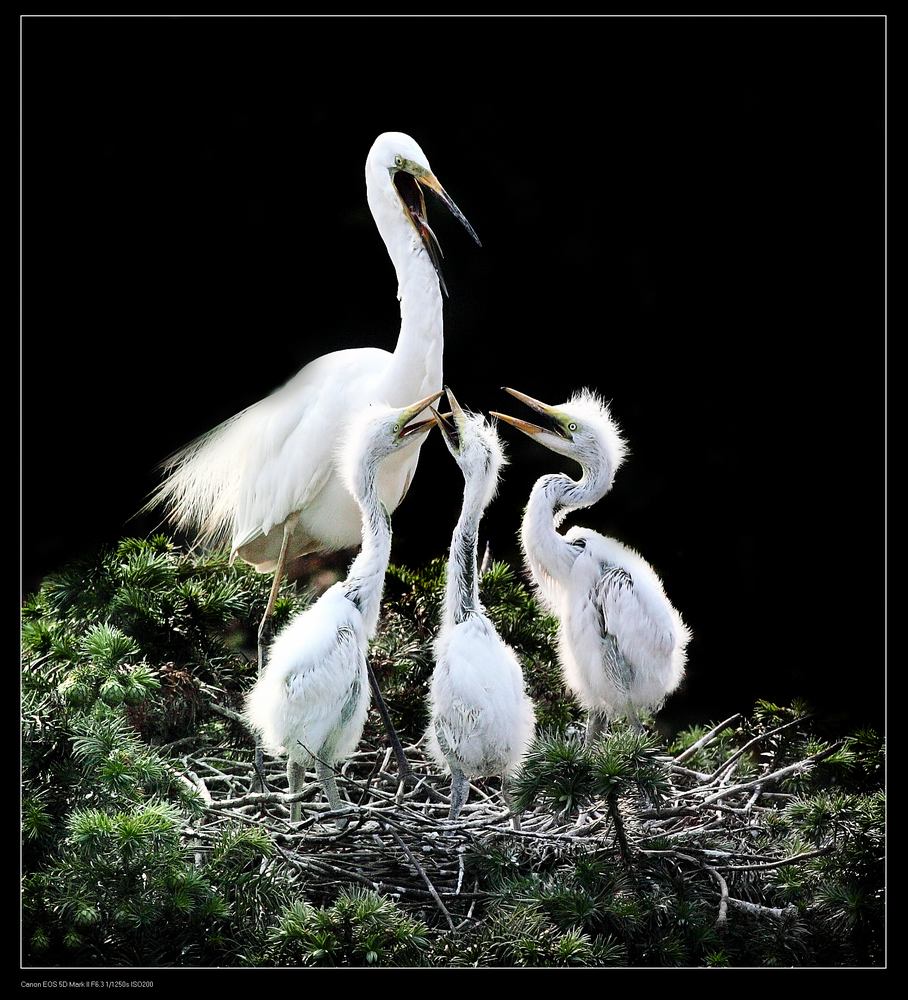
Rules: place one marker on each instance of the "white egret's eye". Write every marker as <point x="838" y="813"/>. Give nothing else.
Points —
<point x="572" y="427"/>
<point x="397" y="428"/>
<point x="398" y="161"/>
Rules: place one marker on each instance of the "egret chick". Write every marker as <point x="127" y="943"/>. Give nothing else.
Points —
<point x="622" y="644"/>
<point x="482" y="719"/>
<point x="311" y="700"/>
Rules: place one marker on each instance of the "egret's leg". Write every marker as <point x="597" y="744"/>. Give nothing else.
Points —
<point x="596" y="725"/>
<point x="264" y="634"/>
<point x="460" y="790"/>
<point x="633" y="720"/>
<point x="326" y="777"/>
<point x="486" y="559"/>
<point x="403" y="766"/>
<point x="296" y="778"/>
<point x="509" y="802"/>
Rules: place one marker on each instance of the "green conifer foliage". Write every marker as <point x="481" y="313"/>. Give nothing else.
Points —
<point x="362" y="928"/>
<point x="759" y="841"/>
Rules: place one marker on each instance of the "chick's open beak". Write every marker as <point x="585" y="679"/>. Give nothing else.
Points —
<point x="447" y="427"/>
<point x="421" y="426"/>
<point x="456" y="410"/>
<point x="452" y="424"/>
<point x="524" y="425"/>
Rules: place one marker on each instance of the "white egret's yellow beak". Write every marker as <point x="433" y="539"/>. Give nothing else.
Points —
<point x="408" y="430"/>
<point x="432" y="183"/>
<point x="407" y="181"/>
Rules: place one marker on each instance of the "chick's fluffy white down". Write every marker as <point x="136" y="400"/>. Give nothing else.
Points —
<point x="482" y="716"/>
<point x="313" y="696"/>
<point x="616" y="600"/>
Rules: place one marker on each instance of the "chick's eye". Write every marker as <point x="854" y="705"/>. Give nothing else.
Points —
<point x="398" y="161"/>
<point x="572" y="427"/>
<point x="397" y="428"/>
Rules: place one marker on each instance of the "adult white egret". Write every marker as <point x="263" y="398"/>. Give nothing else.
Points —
<point x="312" y="698"/>
<point x="482" y="718"/>
<point x="622" y="644"/>
<point x="267" y="479"/>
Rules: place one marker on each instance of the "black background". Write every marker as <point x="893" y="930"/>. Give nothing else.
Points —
<point x="686" y="214"/>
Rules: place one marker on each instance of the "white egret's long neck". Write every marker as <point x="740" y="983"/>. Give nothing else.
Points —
<point x="462" y="588"/>
<point x="366" y="578"/>
<point x="551" y="498"/>
<point x="416" y="369"/>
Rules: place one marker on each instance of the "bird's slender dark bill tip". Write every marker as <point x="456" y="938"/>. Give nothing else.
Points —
<point x="447" y="427"/>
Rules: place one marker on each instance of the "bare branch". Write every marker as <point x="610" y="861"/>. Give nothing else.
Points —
<point x="806" y="856"/>
<point x="783" y="772"/>
<point x="779" y="913"/>
<point x="262" y="798"/>
<point x="201" y="788"/>
<point x="425" y="878"/>
<point x="757" y="739"/>
<point x="688" y="773"/>
<point x="694" y="747"/>
<point x="722" y="919"/>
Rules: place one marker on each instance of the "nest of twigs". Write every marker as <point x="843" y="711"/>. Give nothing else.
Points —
<point x="398" y="840"/>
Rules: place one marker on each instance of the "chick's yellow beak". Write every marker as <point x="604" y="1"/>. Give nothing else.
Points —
<point x="524" y="425"/>
<point x="409" y="412"/>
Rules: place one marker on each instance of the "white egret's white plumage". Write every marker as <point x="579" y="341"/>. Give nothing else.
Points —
<point x="482" y="718"/>
<point x="312" y="698"/>
<point x="267" y="478"/>
<point x="622" y="643"/>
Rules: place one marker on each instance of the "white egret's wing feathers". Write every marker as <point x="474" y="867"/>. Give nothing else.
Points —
<point x="455" y="729"/>
<point x="622" y="619"/>
<point x="624" y="614"/>
<point x="202" y="477"/>
<point x="250" y="473"/>
<point x="482" y="718"/>
<point x="329" y="703"/>
<point x="314" y="693"/>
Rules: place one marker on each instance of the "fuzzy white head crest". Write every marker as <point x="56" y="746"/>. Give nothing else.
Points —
<point x="480" y="450"/>
<point x="370" y="435"/>
<point x="594" y="435"/>
<point x="391" y="148"/>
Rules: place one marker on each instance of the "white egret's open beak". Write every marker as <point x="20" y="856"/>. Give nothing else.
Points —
<point x="432" y="183"/>
<point x="408" y="189"/>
